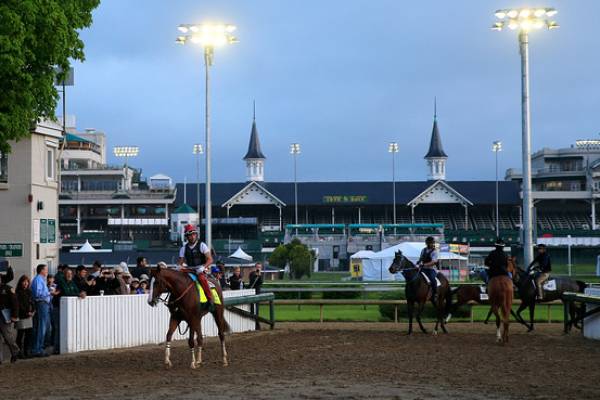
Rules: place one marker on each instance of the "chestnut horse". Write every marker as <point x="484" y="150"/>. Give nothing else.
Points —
<point x="184" y="304"/>
<point x="500" y="292"/>
<point x="418" y="291"/>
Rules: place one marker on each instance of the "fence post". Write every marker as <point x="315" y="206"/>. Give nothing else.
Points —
<point x="272" y="314"/>
<point x="396" y="312"/>
<point x="471" y="312"/>
<point x="321" y="312"/>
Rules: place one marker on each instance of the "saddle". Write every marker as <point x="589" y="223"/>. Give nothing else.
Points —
<point x="483" y="293"/>
<point x="437" y="281"/>
<point x="201" y="294"/>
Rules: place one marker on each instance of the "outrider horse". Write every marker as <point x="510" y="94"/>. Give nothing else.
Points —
<point x="418" y="291"/>
<point x="184" y="304"/>
<point x="527" y="290"/>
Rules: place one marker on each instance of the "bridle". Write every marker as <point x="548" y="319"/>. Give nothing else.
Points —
<point x="167" y="300"/>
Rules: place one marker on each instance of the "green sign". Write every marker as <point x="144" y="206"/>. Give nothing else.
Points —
<point x="43" y="231"/>
<point x="47" y="231"/>
<point x="344" y="199"/>
<point x="51" y="231"/>
<point x="11" y="249"/>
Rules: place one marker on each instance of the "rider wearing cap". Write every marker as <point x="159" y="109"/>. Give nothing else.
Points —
<point x="196" y="254"/>
<point x="428" y="262"/>
<point x="544" y="266"/>
<point x="497" y="261"/>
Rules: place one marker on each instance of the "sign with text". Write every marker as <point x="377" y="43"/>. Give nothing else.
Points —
<point x="11" y="249"/>
<point x="345" y="199"/>
<point x="47" y="231"/>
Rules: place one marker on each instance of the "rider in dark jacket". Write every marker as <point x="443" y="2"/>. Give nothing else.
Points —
<point x="428" y="262"/>
<point x="497" y="261"/>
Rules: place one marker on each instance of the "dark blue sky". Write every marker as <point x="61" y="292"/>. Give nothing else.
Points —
<point x="343" y="78"/>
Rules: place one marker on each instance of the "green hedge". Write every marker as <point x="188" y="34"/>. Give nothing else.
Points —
<point x="292" y="295"/>
<point x="341" y="295"/>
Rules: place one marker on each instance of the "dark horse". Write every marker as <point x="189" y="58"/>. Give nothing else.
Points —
<point x="184" y="304"/>
<point x="528" y="294"/>
<point x="418" y="291"/>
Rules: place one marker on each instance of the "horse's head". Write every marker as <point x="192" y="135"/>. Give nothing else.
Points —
<point x="157" y="284"/>
<point x="401" y="264"/>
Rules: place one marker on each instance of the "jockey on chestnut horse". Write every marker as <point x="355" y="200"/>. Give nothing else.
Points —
<point x="197" y="256"/>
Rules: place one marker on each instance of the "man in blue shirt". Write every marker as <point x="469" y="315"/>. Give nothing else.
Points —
<point x="41" y="299"/>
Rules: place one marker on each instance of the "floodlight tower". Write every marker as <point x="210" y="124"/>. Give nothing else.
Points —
<point x="295" y="151"/>
<point x="526" y="20"/>
<point x="393" y="149"/>
<point x="198" y="151"/>
<point x="126" y="151"/>
<point x="497" y="147"/>
<point x="209" y="36"/>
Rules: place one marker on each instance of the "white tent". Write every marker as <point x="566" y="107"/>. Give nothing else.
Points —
<point x="375" y="266"/>
<point x="241" y="255"/>
<point x="88" y="248"/>
<point x="362" y="254"/>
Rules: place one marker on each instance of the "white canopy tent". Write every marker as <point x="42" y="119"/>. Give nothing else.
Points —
<point x="88" y="248"/>
<point x="376" y="265"/>
<point x="241" y="255"/>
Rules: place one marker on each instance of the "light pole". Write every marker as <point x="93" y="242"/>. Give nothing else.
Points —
<point x="496" y="147"/>
<point x="208" y="36"/>
<point x="526" y="20"/>
<point x="294" y="151"/>
<point x="126" y="151"/>
<point x="198" y="151"/>
<point x="393" y="148"/>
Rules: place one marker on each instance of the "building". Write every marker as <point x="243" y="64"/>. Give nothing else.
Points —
<point x="28" y="200"/>
<point x="112" y="206"/>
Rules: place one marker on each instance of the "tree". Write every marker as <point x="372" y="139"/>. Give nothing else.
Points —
<point x="35" y="38"/>
<point x="297" y="255"/>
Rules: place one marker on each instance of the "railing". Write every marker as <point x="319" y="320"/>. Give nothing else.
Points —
<point x="110" y="322"/>
<point x="396" y="303"/>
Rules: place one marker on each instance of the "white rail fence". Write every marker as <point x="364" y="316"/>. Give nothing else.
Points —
<point x="591" y="325"/>
<point x="112" y="322"/>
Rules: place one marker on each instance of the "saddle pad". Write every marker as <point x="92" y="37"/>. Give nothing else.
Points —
<point x="550" y="285"/>
<point x="483" y="296"/>
<point x="437" y="281"/>
<point x="194" y="278"/>
<point x="204" y="299"/>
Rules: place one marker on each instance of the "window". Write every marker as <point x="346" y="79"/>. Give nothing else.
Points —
<point x="50" y="163"/>
<point x="3" y="168"/>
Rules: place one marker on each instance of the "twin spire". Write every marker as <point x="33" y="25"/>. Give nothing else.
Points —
<point x="436" y="156"/>
<point x="255" y="159"/>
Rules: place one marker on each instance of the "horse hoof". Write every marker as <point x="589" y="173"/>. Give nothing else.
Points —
<point x="198" y="364"/>
<point x="193" y="365"/>
<point x="225" y="363"/>
<point x="435" y="333"/>
<point x="168" y="365"/>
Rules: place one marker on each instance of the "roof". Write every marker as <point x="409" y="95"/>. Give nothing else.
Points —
<point x="435" y="145"/>
<point x="184" y="209"/>
<point x="74" y="138"/>
<point x="358" y="193"/>
<point x="160" y="176"/>
<point x="254" y="150"/>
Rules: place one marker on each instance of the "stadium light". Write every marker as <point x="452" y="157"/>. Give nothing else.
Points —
<point x="497" y="147"/>
<point x="209" y="36"/>
<point x="393" y="148"/>
<point x="126" y="151"/>
<point x="526" y="20"/>
<point x="294" y="151"/>
<point x="198" y="151"/>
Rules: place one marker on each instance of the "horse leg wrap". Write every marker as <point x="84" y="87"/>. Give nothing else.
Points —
<point x="168" y="363"/>
<point x="198" y="355"/>
<point x="193" y="364"/>
<point x="224" y="354"/>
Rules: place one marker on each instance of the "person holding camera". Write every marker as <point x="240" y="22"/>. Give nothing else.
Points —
<point x="256" y="279"/>
<point x="9" y="310"/>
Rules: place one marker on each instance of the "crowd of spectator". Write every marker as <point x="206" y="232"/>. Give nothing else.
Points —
<point x="33" y="307"/>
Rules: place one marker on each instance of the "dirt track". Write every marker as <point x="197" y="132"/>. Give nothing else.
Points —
<point x="343" y="360"/>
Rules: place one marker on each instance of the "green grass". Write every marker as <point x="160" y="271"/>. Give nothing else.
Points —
<point x="320" y="277"/>
<point x="351" y="313"/>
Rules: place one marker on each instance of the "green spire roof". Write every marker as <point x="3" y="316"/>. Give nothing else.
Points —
<point x="184" y="209"/>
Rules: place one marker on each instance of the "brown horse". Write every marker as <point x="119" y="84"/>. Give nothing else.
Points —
<point x="500" y="291"/>
<point x="418" y="291"/>
<point x="184" y="304"/>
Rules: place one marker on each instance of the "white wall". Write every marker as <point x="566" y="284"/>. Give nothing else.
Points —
<point x="112" y="322"/>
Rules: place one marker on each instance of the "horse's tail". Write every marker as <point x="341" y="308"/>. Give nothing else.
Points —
<point x="508" y="300"/>
<point x="581" y="286"/>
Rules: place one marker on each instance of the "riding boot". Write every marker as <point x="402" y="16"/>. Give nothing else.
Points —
<point x="207" y="291"/>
